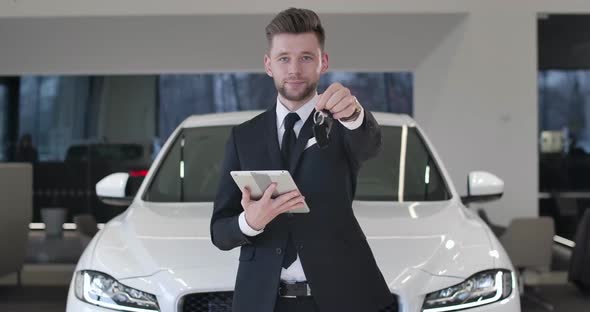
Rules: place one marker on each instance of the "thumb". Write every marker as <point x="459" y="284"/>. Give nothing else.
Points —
<point x="320" y="105"/>
<point x="245" y="196"/>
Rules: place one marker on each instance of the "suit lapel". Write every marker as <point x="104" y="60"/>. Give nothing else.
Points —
<point x="272" y="139"/>
<point x="305" y="134"/>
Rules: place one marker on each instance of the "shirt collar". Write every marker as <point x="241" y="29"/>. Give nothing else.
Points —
<point x="303" y="112"/>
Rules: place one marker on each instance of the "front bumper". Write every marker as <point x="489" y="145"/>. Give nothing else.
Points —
<point x="510" y="304"/>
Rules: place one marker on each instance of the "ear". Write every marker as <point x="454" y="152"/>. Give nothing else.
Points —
<point x="267" y="68"/>
<point x="324" y="62"/>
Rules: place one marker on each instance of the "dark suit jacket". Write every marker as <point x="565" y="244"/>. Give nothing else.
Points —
<point x="334" y="252"/>
<point x="579" y="272"/>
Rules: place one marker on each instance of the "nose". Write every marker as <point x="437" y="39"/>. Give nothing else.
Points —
<point x="294" y="68"/>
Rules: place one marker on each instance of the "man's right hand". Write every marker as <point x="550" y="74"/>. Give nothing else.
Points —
<point x="260" y="212"/>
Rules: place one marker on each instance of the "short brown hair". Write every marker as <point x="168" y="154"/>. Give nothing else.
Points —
<point x="296" y="21"/>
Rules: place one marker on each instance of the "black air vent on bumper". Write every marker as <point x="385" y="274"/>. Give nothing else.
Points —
<point x="207" y="302"/>
<point x="221" y="302"/>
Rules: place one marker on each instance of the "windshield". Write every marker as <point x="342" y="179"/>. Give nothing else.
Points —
<point x="190" y="170"/>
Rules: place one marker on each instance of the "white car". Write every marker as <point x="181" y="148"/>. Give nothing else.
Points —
<point x="435" y="254"/>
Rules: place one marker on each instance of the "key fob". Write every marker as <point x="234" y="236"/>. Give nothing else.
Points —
<point x="323" y="121"/>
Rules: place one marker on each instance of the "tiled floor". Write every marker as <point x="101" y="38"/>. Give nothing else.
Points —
<point x="33" y="298"/>
<point x="564" y="298"/>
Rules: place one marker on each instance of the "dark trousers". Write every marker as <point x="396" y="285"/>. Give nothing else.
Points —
<point x="306" y="304"/>
<point x="301" y="304"/>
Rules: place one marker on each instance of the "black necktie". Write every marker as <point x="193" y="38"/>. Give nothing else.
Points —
<point x="289" y="139"/>
<point x="287" y="148"/>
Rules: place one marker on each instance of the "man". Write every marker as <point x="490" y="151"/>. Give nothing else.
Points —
<point x="316" y="261"/>
<point x="25" y="151"/>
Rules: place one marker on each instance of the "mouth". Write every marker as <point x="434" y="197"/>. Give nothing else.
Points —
<point x="295" y="85"/>
<point x="295" y="82"/>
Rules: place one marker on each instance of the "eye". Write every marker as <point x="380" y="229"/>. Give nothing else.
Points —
<point x="283" y="59"/>
<point x="307" y="58"/>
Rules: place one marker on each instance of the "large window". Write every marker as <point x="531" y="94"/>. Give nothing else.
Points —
<point x="54" y="111"/>
<point x="564" y="119"/>
<point x="564" y="130"/>
<point x="58" y="111"/>
<point x="564" y="147"/>
<point x="189" y="172"/>
<point x="69" y="118"/>
<point x="3" y="122"/>
<point x="183" y="95"/>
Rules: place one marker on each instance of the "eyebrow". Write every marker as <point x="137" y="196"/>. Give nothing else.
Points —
<point x="287" y="53"/>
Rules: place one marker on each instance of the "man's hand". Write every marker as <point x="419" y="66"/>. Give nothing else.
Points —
<point x="260" y="212"/>
<point x="338" y="100"/>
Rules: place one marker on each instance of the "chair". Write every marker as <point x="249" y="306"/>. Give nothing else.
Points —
<point x="16" y="208"/>
<point x="529" y="244"/>
<point x="498" y="230"/>
<point x="579" y="271"/>
<point x="86" y="226"/>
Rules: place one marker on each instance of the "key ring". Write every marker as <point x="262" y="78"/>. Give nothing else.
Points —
<point x="320" y="117"/>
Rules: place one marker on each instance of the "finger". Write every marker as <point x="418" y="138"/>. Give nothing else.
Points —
<point x="346" y="113"/>
<point x="269" y="190"/>
<point x="342" y="110"/>
<point x="338" y="98"/>
<point x="295" y="201"/>
<point x="324" y="97"/>
<point x="321" y="104"/>
<point x="347" y="108"/>
<point x="279" y="201"/>
<point x="293" y="204"/>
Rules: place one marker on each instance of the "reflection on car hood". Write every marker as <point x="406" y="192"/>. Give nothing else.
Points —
<point x="438" y="238"/>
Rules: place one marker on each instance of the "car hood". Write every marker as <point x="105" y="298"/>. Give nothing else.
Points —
<point x="438" y="238"/>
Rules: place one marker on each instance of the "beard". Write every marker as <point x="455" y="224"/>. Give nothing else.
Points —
<point x="297" y="96"/>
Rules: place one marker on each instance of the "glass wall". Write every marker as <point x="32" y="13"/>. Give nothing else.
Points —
<point x="83" y="128"/>
<point x="564" y="146"/>
<point x="3" y="122"/>
<point x="184" y="95"/>
<point x="564" y="119"/>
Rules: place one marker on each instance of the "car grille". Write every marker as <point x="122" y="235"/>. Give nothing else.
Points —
<point x="221" y="302"/>
<point x="207" y="302"/>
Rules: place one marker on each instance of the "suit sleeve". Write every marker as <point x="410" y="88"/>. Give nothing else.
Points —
<point x="225" y="228"/>
<point x="364" y="142"/>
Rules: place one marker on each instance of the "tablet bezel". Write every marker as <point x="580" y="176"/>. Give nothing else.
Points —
<point x="285" y="184"/>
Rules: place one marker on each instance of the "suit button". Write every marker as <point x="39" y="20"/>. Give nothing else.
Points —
<point x="290" y="214"/>
<point x="279" y="251"/>
<point x="300" y="246"/>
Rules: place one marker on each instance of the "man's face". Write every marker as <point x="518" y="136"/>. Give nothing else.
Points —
<point x="295" y="62"/>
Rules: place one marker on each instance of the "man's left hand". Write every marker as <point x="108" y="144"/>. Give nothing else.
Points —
<point x="338" y="100"/>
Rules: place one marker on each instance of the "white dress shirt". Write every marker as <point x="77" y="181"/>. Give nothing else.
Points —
<point x="294" y="273"/>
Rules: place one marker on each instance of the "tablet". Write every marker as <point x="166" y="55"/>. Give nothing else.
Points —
<point x="259" y="181"/>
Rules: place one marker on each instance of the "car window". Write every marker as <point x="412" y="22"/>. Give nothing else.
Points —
<point x="118" y="152"/>
<point x="106" y="152"/>
<point x="379" y="177"/>
<point x="190" y="170"/>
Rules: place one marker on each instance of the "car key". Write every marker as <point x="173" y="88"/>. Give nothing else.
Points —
<point x="323" y="122"/>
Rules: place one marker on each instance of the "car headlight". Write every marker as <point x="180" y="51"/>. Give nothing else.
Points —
<point x="480" y="289"/>
<point x="104" y="291"/>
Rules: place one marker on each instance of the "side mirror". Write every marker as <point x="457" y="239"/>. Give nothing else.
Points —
<point x="111" y="189"/>
<point x="483" y="187"/>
